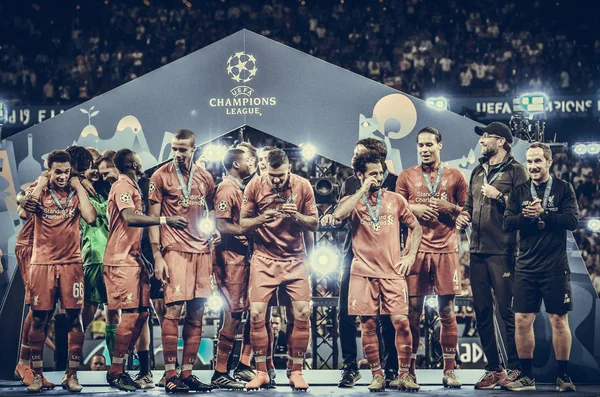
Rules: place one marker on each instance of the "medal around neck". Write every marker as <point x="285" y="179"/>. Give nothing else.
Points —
<point x="185" y="190"/>
<point x="374" y="212"/>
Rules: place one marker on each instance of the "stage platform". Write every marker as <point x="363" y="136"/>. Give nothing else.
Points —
<point x="323" y="382"/>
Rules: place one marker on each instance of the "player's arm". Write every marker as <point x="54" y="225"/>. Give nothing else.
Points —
<point x="513" y="216"/>
<point x="464" y="217"/>
<point x="249" y="223"/>
<point x="226" y="226"/>
<point x="345" y="207"/>
<point x="567" y="216"/>
<point x="140" y="220"/>
<point x="154" y="230"/>
<point x="30" y="200"/>
<point x="406" y="262"/>
<point x="309" y="241"/>
<point x="88" y="213"/>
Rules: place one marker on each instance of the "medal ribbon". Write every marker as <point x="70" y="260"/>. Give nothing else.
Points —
<point x="287" y="199"/>
<point x="546" y="193"/>
<point x="236" y="180"/>
<point x="185" y="190"/>
<point x="57" y="201"/>
<point x="141" y="195"/>
<point x="496" y="175"/>
<point x="433" y="189"/>
<point x="374" y="215"/>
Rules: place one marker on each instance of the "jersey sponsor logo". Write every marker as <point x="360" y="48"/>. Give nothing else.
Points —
<point x="177" y="289"/>
<point x="125" y="197"/>
<point x="223" y="206"/>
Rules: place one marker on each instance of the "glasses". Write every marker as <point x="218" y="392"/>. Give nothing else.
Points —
<point x="485" y="135"/>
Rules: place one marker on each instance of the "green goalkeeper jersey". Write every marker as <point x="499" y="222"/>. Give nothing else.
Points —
<point x="95" y="236"/>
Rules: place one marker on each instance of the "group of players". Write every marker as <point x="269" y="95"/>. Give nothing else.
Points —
<point x="251" y="235"/>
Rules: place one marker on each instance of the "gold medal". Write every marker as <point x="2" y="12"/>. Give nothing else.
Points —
<point x="185" y="202"/>
<point x="376" y="227"/>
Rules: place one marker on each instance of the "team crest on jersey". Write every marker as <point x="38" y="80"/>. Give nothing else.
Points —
<point x="129" y="298"/>
<point x="152" y="187"/>
<point x="49" y="202"/>
<point x="551" y="201"/>
<point x="444" y="183"/>
<point x="245" y="199"/>
<point x="125" y="197"/>
<point x="223" y="206"/>
<point x="444" y="196"/>
<point x="419" y="184"/>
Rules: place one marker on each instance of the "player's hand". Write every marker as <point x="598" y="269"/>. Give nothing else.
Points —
<point x="269" y="216"/>
<point x="177" y="222"/>
<point x="440" y="205"/>
<point x="216" y="238"/>
<point x="463" y="220"/>
<point x="489" y="191"/>
<point x="405" y="265"/>
<point x="44" y="179"/>
<point x="89" y="187"/>
<point x="290" y="209"/>
<point x="424" y="212"/>
<point x="329" y="220"/>
<point x="367" y="183"/>
<point x="160" y="270"/>
<point x="533" y="209"/>
<point x="74" y="182"/>
<point x="30" y="204"/>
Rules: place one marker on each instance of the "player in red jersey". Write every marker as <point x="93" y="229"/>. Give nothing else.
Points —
<point x="377" y="278"/>
<point x="183" y="260"/>
<point x="232" y="268"/>
<point x="436" y="194"/>
<point x="125" y="275"/>
<point x="279" y="206"/>
<point x="56" y="265"/>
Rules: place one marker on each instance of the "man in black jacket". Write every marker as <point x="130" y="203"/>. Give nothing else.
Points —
<point x="346" y="322"/>
<point x="493" y="251"/>
<point x="542" y="210"/>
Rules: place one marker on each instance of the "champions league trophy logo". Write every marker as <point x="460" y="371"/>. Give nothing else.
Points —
<point x="241" y="67"/>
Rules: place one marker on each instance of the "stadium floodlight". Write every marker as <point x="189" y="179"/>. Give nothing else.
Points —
<point x="580" y="149"/>
<point x="533" y="102"/>
<point x="593" y="148"/>
<point x="207" y="226"/>
<point x="431" y="301"/>
<point x="214" y="153"/>
<point x="215" y="303"/>
<point x="438" y="102"/>
<point x="324" y="259"/>
<point x="593" y="225"/>
<point x="309" y="151"/>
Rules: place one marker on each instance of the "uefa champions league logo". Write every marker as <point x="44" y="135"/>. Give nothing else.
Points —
<point x="241" y="67"/>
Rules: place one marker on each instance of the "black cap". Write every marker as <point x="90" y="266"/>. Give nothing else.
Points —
<point x="496" y="128"/>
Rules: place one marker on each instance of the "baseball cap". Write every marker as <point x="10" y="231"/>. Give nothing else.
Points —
<point x="496" y="128"/>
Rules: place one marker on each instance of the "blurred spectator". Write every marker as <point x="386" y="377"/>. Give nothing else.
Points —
<point x="98" y="363"/>
<point x="79" y="50"/>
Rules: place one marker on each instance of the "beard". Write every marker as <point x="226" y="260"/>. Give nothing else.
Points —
<point x="374" y="189"/>
<point x="488" y="152"/>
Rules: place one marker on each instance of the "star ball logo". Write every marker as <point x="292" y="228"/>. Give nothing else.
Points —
<point x="242" y="67"/>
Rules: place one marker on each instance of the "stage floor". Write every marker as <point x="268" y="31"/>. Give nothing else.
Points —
<point x="323" y="382"/>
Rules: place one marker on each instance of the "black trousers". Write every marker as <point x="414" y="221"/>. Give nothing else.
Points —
<point x="494" y="272"/>
<point x="347" y="328"/>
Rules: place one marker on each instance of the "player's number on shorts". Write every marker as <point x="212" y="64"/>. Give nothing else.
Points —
<point x="77" y="290"/>
<point x="455" y="278"/>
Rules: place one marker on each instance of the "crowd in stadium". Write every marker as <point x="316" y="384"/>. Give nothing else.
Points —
<point x="69" y="55"/>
